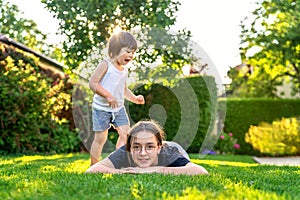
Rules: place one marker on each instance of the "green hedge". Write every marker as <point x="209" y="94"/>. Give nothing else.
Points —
<point x="185" y="111"/>
<point x="241" y="113"/>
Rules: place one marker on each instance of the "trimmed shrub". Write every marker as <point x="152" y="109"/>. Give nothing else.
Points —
<point x="279" y="138"/>
<point x="175" y="108"/>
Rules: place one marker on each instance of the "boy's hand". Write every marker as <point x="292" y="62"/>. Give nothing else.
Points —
<point x="112" y="101"/>
<point x="140" y="99"/>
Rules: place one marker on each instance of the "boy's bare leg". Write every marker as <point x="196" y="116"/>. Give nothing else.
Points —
<point x="97" y="146"/>
<point x="123" y="132"/>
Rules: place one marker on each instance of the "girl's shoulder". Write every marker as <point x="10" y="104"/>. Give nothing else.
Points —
<point x="169" y="147"/>
<point x="119" y="158"/>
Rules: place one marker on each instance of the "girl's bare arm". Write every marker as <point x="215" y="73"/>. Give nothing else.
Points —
<point x="188" y="169"/>
<point x="104" y="166"/>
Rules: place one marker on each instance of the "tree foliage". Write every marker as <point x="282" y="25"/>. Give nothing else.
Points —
<point x="88" y="25"/>
<point x="249" y="81"/>
<point x="270" y="43"/>
<point x="20" y="29"/>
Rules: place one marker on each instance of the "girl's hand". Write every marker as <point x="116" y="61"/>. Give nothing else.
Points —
<point x="129" y="170"/>
<point x="138" y="170"/>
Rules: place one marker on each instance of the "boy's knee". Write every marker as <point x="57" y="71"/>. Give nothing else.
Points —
<point x="100" y="137"/>
<point x="123" y="130"/>
<point x="122" y="135"/>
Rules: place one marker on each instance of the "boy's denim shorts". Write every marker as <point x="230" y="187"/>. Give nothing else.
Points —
<point x="102" y="120"/>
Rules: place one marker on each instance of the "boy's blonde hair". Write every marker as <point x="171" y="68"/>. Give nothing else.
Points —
<point x="120" y="40"/>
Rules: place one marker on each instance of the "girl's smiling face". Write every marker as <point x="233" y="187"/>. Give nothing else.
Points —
<point x="144" y="149"/>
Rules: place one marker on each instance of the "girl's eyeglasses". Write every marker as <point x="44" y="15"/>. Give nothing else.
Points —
<point x="148" y="148"/>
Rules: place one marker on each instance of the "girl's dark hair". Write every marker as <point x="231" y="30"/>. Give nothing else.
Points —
<point x="150" y="126"/>
<point x="120" y="40"/>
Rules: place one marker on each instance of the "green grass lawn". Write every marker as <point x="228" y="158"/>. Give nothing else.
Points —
<point x="62" y="177"/>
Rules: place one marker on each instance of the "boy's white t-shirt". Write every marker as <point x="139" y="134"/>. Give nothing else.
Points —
<point x="114" y="81"/>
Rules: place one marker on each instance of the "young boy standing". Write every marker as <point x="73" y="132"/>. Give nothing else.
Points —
<point x="109" y="84"/>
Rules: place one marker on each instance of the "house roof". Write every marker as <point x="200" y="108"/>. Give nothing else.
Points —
<point x="44" y="59"/>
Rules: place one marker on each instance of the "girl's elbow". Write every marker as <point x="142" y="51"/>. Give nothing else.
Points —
<point x="202" y="171"/>
<point x="89" y="171"/>
<point x="197" y="170"/>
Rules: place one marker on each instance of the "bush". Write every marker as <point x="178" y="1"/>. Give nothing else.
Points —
<point x="227" y="144"/>
<point x="277" y="139"/>
<point x="31" y="104"/>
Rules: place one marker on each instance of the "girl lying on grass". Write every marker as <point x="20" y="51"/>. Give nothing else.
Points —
<point x="146" y="152"/>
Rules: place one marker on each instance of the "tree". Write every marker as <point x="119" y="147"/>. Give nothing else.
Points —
<point x="249" y="81"/>
<point x="20" y="29"/>
<point x="88" y="24"/>
<point x="273" y="36"/>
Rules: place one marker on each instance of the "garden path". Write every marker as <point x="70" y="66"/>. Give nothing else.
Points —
<point x="291" y="161"/>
